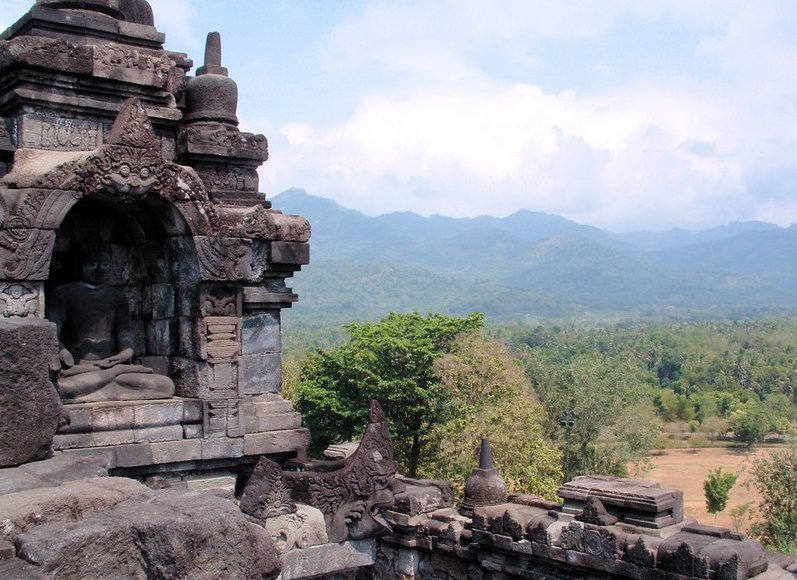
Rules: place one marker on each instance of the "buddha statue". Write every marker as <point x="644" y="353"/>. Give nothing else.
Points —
<point x="95" y="341"/>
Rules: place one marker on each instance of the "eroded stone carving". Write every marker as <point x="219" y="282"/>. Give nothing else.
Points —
<point x="350" y="492"/>
<point x="589" y="540"/>
<point x="130" y="166"/>
<point x="265" y="494"/>
<point x="25" y="253"/>
<point x="224" y="258"/>
<point x="20" y="300"/>
<point x="219" y="301"/>
<point x="595" y="513"/>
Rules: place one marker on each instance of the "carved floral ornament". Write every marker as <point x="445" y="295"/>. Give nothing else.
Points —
<point x="131" y="167"/>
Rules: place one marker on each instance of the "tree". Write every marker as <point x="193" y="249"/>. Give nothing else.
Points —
<point x="717" y="486"/>
<point x="391" y="361"/>
<point x="775" y="477"/>
<point x="714" y="427"/>
<point x="750" y="423"/>
<point x="616" y="422"/>
<point x="492" y="397"/>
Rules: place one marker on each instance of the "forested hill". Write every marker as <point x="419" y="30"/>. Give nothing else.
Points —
<point x="533" y="265"/>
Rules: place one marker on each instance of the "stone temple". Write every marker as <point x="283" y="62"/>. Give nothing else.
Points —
<point x="142" y="431"/>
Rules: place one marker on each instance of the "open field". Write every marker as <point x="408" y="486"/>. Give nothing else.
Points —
<point x="686" y="469"/>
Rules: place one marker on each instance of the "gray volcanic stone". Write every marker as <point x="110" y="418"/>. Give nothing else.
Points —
<point x="24" y="510"/>
<point x="163" y="534"/>
<point x="29" y="404"/>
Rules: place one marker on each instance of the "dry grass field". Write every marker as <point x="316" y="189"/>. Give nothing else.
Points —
<point x="686" y="469"/>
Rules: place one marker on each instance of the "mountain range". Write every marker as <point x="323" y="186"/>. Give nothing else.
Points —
<point x="533" y="265"/>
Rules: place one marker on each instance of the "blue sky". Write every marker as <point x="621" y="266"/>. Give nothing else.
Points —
<point x="624" y="114"/>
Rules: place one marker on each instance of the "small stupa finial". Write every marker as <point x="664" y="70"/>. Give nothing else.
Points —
<point x="212" y="56"/>
<point x="485" y="486"/>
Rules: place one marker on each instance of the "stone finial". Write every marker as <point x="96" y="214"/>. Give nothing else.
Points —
<point x="212" y="56"/>
<point x="212" y="95"/>
<point x="485" y="486"/>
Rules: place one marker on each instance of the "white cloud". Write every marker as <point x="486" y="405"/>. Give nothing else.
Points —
<point x="653" y="152"/>
<point x="175" y="19"/>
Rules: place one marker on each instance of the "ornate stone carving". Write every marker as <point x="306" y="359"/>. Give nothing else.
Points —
<point x="152" y="67"/>
<point x="589" y="540"/>
<point x="595" y="513"/>
<point x="539" y="534"/>
<point x="49" y="53"/>
<point x="20" y="300"/>
<point x="224" y="258"/>
<point x="683" y="561"/>
<point x="298" y="530"/>
<point x="252" y="222"/>
<point x="223" y="338"/>
<point x="219" y="301"/>
<point x="129" y="167"/>
<point x="222" y="418"/>
<point x="291" y="228"/>
<point x="265" y="494"/>
<point x="350" y="492"/>
<point x="59" y="133"/>
<point x="228" y="178"/>
<point x="639" y="554"/>
<point x="222" y="140"/>
<point x="25" y="254"/>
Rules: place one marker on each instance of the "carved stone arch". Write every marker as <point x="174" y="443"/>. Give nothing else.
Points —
<point x="130" y="167"/>
<point x="155" y="264"/>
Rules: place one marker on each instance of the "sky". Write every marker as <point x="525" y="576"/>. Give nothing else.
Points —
<point x="623" y="114"/>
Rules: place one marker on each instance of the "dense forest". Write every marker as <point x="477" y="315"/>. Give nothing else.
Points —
<point x="630" y="384"/>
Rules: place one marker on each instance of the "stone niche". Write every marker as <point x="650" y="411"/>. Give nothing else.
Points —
<point x="103" y="133"/>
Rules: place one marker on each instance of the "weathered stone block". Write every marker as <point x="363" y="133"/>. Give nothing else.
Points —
<point x="290" y="253"/>
<point x="119" y="437"/>
<point x="176" y="451"/>
<point x="133" y="455"/>
<point x="273" y="422"/>
<point x="328" y="558"/>
<point x="158" y="414"/>
<point x="112" y="416"/>
<point x="21" y="511"/>
<point x="260" y="333"/>
<point x="152" y="434"/>
<point x="222" y="447"/>
<point x="39" y="131"/>
<point x="80" y="416"/>
<point x="276" y="442"/>
<point x="187" y="300"/>
<point x="260" y="373"/>
<point x="29" y="404"/>
<point x="192" y="411"/>
<point x="72" y="440"/>
<point x="180" y="534"/>
<point x="193" y="431"/>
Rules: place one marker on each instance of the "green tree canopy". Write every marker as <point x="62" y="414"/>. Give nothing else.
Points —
<point x="492" y="397"/>
<point x="391" y="361"/>
<point x="775" y="477"/>
<point x="717" y="487"/>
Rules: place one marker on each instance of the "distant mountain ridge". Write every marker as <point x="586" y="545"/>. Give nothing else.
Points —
<point x="535" y="265"/>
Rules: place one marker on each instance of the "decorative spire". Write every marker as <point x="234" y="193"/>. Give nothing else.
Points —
<point x="212" y="95"/>
<point x="485" y="486"/>
<point x="212" y="57"/>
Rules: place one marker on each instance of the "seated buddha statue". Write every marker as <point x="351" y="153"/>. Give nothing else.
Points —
<point x="95" y="341"/>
